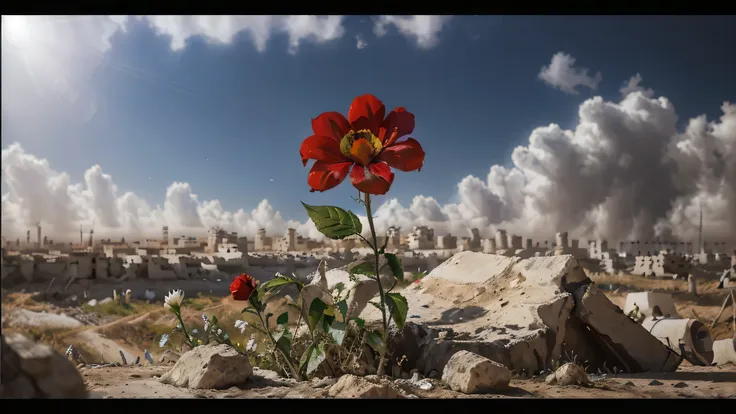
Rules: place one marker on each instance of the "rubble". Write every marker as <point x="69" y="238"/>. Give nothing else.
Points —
<point x="627" y="344"/>
<point x="34" y="370"/>
<point x="371" y="386"/>
<point x="209" y="366"/>
<point x="648" y="301"/>
<point x="724" y="351"/>
<point x="470" y="373"/>
<point x="689" y="338"/>
<point x="521" y="313"/>
<point x="26" y="318"/>
<point x="568" y="374"/>
<point x="168" y="357"/>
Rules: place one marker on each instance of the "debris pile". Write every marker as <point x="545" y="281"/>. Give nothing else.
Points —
<point x="521" y="313"/>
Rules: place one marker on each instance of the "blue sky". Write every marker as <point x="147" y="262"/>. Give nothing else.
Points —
<point x="227" y="118"/>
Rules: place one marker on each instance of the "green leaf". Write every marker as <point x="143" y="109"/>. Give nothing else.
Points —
<point x="316" y="311"/>
<point x="334" y="222"/>
<point x="342" y="306"/>
<point x="316" y="358"/>
<point x="373" y="339"/>
<point x="278" y="282"/>
<point x="214" y="320"/>
<point x="255" y="300"/>
<point x="268" y="316"/>
<point x="395" y="265"/>
<point x="327" y="321"/>
<point x="359" y="322"/>
<point x="377" y="305"/>
<point x="382" y="251"/>
<point x="363" y="268"/>
<point x="249" y="310"/>
<point x="337" y="332"/>
<point x="283" y="340"/>
<point x="283" y="319"/>
<point x="339" y="287"/>
<point x="398" y="307"/>
<point x="306" y="356"/>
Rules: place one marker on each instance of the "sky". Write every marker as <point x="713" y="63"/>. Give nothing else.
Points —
<point x="605" y="126"/>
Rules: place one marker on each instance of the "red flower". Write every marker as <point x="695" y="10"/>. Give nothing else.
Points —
<point x="364" y="141"/>
<point x="242" y="287"/>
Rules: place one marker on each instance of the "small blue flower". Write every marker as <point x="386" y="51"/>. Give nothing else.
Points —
<point x="163" y="341"/>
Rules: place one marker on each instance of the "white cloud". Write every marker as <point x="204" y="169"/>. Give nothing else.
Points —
<point x="562" y="74"/>
<point x="37" y="193"/>
<point x="623" y="173"/>
<point x="423" y="29"/>
<point x="361" y="44"/>
<point x="632" y="85"/>
<point x="55" y="57"/>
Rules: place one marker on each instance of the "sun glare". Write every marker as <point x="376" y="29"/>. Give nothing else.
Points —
<point x="16" y="30"/>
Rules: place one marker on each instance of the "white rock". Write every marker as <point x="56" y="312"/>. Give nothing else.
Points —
<point x="24" y="317"/>
<point x="209" y="366"/>
<point x="352" y="386"/>
<point x="470" y="373"/>
<point x="92" y="302"/>
<point x="570" y="374"/>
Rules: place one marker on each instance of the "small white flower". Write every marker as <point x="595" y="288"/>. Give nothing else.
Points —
<point x="251" y="345"/>
<point x="219" y="331"/>
<point x="241" y="325"/>
<point x="174" y="299"/>
<point x="194" y="331"/>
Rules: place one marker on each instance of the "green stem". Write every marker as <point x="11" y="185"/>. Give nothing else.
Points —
<point x="267" y="330"/>
<point x="184" y="328"/>
<point x="384" y="334"/>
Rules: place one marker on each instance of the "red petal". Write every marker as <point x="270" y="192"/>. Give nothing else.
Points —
<point x="366" y="112"/>
<point x="321" y="148"/>
<point x="377" y="180"/>
<point x="324" y="176"/>
<point x="331" y="124"/>
<point x="398" y="118"/>
<point x="405" y="155"/>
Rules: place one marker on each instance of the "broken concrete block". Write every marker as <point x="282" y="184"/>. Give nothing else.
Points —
<point x="689" y="338"/>
<point x="470" y="373"/>
<point x="469" y="299"/>
<point x="34" y="370"/>
<point x="629" y="346"/>
<point x="209" y="366"/>
<point x="352" y="386"/>
<point x="646" y="301"/>
<point x="724" y="352"/>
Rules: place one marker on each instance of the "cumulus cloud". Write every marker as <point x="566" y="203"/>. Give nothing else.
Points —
<point x="632" y="85"/>
<point x="424" y="30"/>
<point x="38" y="193"/>
<point x="623" y="173"/>
<point x="562" y="74"/>
<point x="361" y="43"/>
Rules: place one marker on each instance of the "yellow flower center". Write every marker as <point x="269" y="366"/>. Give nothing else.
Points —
<point x="361" y="146"/>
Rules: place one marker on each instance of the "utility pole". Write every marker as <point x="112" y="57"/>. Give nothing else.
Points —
<point x="700" y="229"/>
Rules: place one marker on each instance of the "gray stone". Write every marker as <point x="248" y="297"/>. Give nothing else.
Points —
<point x="34" y="370"/>
<point x="470" y="373"/>
<point x="209" y="366"/>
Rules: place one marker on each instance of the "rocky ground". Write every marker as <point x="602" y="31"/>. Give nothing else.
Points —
<point x="688" y="382"/>
<point x="101" y="331"/>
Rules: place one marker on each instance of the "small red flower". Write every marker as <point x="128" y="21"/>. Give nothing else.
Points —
<point x="365" y="142"/>
<point x="242" y="287"/>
